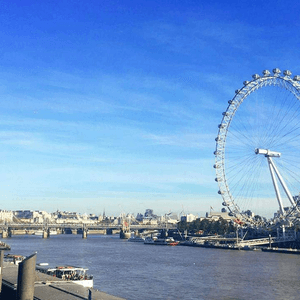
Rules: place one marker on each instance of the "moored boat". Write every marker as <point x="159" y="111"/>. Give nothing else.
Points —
<point x="40" y="232"/>
<point x="169" y="241"/>
<point x="281" y="250"/>
<point x="73" y="274"/>
<point x="149" y="240"/>
<point x="136" y="239"/>
<point x="4" y="246"/>
<point x="174" y="243"/>
<point x="13" y="258"/>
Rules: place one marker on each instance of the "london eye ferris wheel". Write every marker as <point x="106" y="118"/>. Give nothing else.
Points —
<point x="257" y="156"/>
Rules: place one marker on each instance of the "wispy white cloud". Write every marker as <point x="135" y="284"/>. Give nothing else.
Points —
<point x="105" y="94"/>
<point x="200" y="141"/>
<point x="40" y="142"/>
<point x="201" y="34"/>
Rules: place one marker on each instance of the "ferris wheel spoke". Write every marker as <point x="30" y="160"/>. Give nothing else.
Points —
<point x="291" y="130"/>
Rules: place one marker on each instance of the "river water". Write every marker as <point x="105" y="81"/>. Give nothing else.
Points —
<point x="138" y="271"/>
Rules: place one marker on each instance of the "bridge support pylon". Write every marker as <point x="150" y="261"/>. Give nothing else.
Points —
<point x="84" y="232"/>
<point x="46" y="233"/>
<point x="4" y="233"/>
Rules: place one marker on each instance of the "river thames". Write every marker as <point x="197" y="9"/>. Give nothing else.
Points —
<point x="138" y="271"/>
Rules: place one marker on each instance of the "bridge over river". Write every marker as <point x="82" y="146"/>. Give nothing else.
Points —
<point x="47" y="229"/>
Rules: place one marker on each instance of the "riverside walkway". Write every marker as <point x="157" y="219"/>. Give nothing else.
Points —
<point x="48" y="288"/>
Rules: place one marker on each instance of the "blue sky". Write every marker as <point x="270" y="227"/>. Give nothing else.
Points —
<point x="115" y="104"/>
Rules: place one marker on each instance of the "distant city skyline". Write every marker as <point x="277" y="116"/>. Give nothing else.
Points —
<point x="115" y="105"/>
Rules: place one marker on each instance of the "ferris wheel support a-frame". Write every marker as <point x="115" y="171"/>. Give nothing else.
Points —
<point x="274" y="171"/>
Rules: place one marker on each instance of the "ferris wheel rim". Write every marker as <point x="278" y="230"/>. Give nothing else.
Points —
<point x="276" y="79"/>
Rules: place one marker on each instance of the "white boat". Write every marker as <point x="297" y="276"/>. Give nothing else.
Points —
<point x="73" y="274"/>
<point x="13" y="258"/>
<point x="136" y="239"/>
<point x="166" y="241"/>
<point x="161" y="241"/>
<point x="40" y="232"/>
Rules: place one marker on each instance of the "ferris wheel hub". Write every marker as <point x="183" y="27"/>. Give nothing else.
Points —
<point x="267" y="153"/>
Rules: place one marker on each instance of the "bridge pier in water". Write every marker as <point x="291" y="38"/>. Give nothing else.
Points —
<point x="4" y="233"/>
<point x="84" y="232"/>
<point x="110" y="231"/>
<point x="7" y="232"/>
<point x="46" y="233"/>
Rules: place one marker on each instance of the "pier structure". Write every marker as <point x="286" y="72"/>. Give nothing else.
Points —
<point x="283" y="236"/>
<point x="4" y="233"/>
<point x="46" y="233"/>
